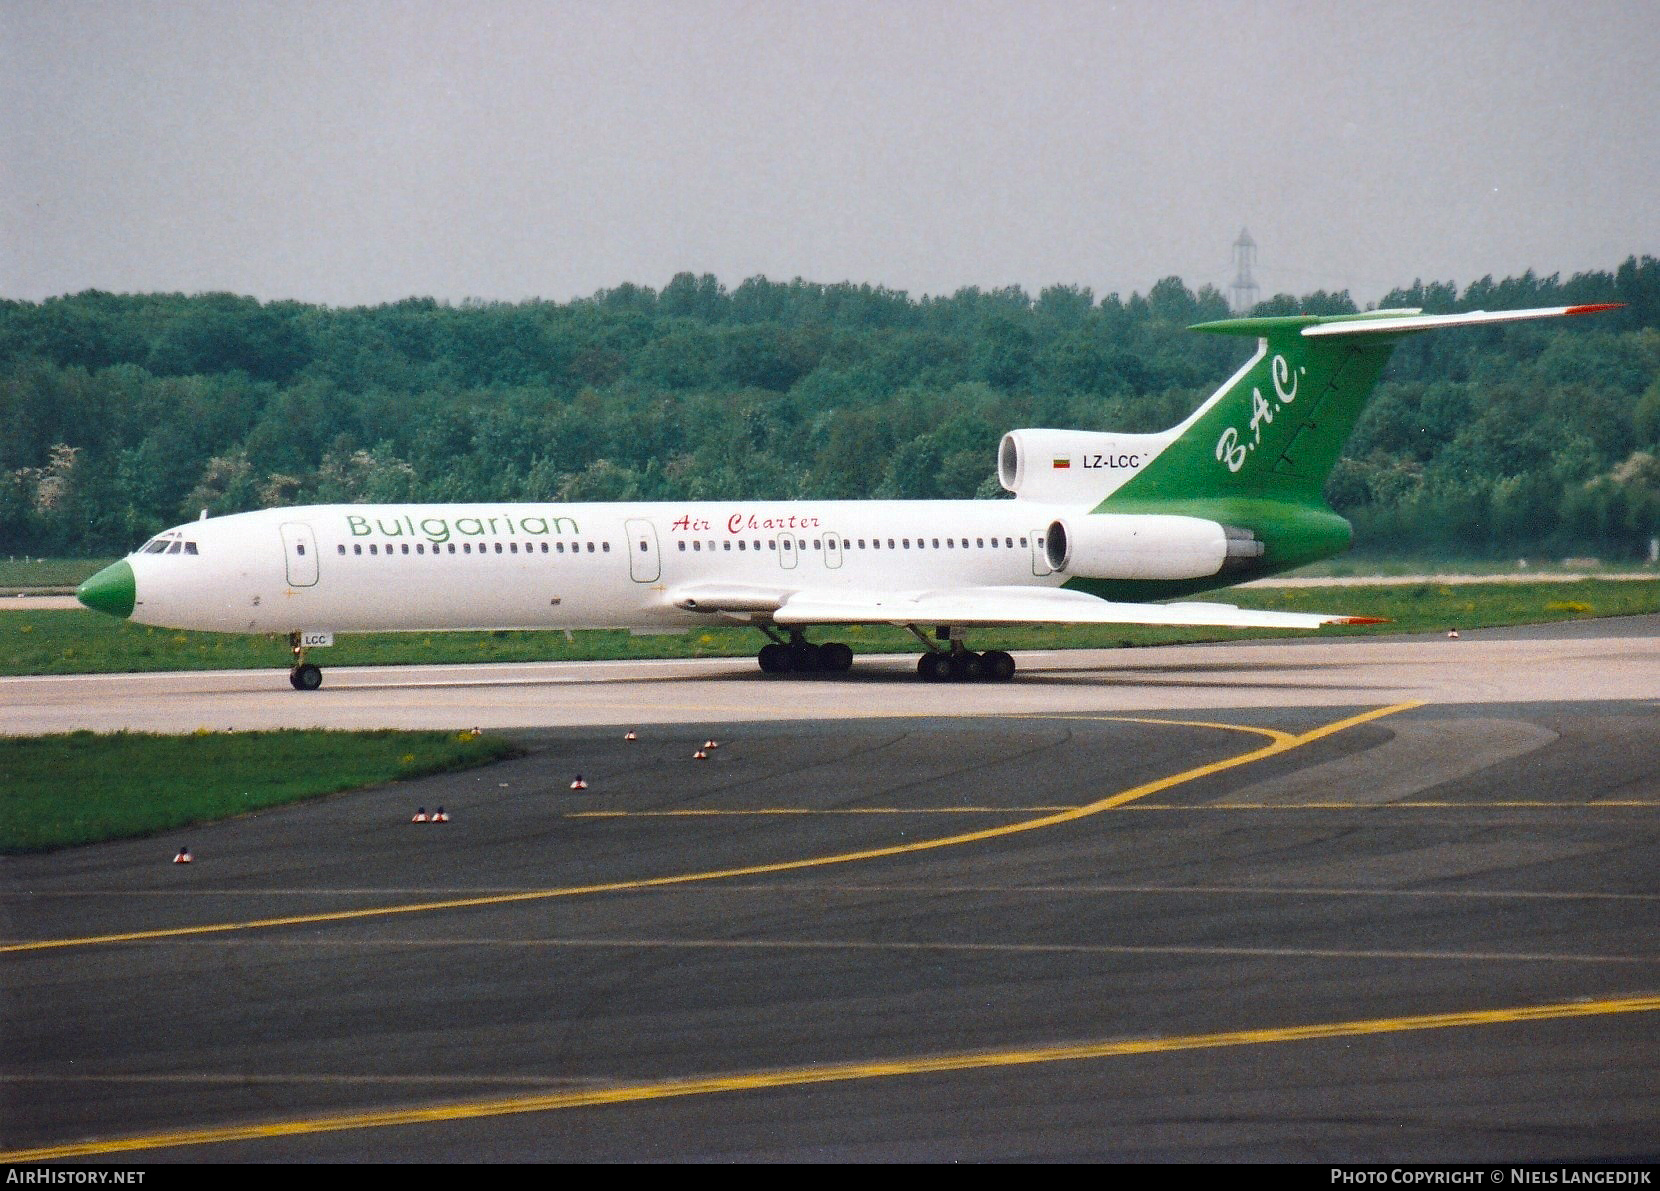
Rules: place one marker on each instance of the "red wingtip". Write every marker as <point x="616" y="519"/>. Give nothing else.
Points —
<point x="1592" y="308"/>
<point x="1364" y="620"/>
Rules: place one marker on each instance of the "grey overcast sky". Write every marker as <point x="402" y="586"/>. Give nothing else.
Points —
<point x="356" y="152"/>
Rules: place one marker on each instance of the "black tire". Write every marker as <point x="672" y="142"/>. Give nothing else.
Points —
<point x="806" y="658"/>
<point x="934" y="667"/>
<point x="306" y="677"/>
<point x="999" y="666"/>
<point x="835" y="657"/>
<point x="774" y="658"/>
<point x="967" y="667"/>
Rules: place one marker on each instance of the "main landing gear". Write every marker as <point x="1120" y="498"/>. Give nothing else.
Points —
<point x="956" y="662"/>
<point x="800" y="656"/>
<point x="964" y="665"/>
<point x="304" y="676"/>
<point x="953" y="663"/>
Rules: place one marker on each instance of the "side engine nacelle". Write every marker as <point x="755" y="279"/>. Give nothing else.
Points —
<point x="1146" y="546"/>
<point x="1072" y="466"/>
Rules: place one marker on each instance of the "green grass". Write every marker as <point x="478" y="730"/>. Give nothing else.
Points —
<point x="58" y="791"/>
<point x="19" y="572"/>
<point x="1362" y="566"/>
<point x="80" y="642"/>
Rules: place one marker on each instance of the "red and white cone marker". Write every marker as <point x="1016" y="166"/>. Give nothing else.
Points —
<point x="700" y="755"/>
<point x="579" y="784"/>
<point x="440" y="816"/>
<point x="710" y="745"/>
<point x="629" y="735"/>
<point x="420" y="815"/>
<point x="1452" y="634"/>
<point x="184" y="856"/>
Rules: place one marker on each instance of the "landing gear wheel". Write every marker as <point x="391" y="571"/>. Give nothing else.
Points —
<point x="835" y="658"/>
<point x="934" y="667"/>
<point x="967" y="667"/>
<point x="999" y="666"/>
<point x="774" y="658"/>
<point x="305" y="677"/>
<point x="805" y="657"/>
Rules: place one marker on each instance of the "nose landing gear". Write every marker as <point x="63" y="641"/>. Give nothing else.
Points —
<point x="305" y="676"/>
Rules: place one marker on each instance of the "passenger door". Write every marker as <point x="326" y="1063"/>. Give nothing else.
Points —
<point x="299" y="550"/>
<point x="644" y="564"/>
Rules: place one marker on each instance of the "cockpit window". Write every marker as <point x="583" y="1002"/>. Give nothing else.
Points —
<point x="167" y="544"/>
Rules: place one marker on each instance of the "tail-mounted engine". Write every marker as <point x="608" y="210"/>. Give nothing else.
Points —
<point x="1072" y="466"/>
<point x="1147" y="546"/>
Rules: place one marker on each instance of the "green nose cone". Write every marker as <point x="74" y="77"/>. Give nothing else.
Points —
<point x="111" y="590"/>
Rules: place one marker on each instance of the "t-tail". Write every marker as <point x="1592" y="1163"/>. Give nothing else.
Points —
<point x="1255" y="456"/>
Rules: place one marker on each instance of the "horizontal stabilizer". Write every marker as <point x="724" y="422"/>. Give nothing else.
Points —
<point x="1386" y="322"/>
<point x="1430" y="322"/>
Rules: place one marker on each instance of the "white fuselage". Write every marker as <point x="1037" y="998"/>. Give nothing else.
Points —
<point x="346" y="568"/>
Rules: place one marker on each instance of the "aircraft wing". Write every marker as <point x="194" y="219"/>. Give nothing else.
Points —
<point x="973" y="607"/>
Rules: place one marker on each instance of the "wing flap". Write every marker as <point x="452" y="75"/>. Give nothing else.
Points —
<point x="1002" y="606"/>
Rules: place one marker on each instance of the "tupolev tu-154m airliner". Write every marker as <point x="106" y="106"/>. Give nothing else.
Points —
<point x="1102" y="526"/>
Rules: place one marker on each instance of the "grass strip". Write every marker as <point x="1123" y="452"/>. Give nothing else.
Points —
<point x="81" y="642"/>
<point x="79" y="788"/>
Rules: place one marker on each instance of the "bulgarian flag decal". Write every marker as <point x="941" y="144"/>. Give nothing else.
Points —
<point x="1062" y="462"/>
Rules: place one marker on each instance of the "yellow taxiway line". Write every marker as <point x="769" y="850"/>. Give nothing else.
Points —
<point x="1278" y="742"/>
<point x="823" y="1073"/>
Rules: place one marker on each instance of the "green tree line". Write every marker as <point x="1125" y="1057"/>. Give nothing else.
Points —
<point x="127" y="413"/>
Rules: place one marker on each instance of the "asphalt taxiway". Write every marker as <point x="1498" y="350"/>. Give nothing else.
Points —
<point x="1354" y="900"/>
